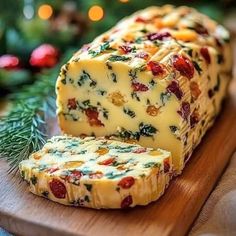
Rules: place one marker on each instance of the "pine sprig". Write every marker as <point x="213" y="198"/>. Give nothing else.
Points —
<point x="23" y="130"/>
<point x="21" y="133"/>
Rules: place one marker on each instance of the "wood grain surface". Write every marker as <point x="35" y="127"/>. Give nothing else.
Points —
<point x="23" y="213"/>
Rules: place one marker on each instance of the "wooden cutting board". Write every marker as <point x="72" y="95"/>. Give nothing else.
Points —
<point x="23" y="213"/>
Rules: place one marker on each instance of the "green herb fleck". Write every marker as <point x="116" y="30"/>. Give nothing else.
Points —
<point x="45" y="194"/>
<point x="151" y="165"/>
<point x="197" y="67"/>
<point x="147" y="130"/>
<point x="103" y="48"/>
<point x="86" y="198"/>
<point x="63" y="81"/>
<point x="34" y="180"/>
<point x="129" y="112"/>
<point x="190" y="52"/>
<point x="173" y="128"/>
<point x="114" y="58"/>
<point x="164" y="97"/>
<point x="113" y="77"/>
<point x="134" y="95"/>
<point x="22" y="173"/>
<point x="88" y="187"/>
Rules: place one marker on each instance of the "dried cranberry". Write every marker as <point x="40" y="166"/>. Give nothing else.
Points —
<point x="126" y="49"/>
<point x="159" y="36"/>
<point x="74" y="175"/>
<point x="58" y="188"/>
<point x="96" y="175"/>
<point x="126" y="182"/>
<point x="155" y="67"/>
<point x="205" y="53"/>
<point x="194" y="119"/>
<point x="183" y="65"/>
<point x="185" y="110"/>
<point x="52" y="169"/>
<point x="92" y="115"/>
<point x="138" y="87"/>
<point x="140" y="20"/>
<point x="142" y="55"/>
<point x="107" y="162"/>
<point x="71" y="104"/>
<point x="126" y="202"/>
<point x="140" y="150"/>
<point x="166" y="165"/>
<point x="174" y="88"/>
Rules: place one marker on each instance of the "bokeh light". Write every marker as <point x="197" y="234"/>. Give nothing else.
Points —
<point x="45" y="11"/>
<point x="95" y="13"/>
<point x="124" y="1"/>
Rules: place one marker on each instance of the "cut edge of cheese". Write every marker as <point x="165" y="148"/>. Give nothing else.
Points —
<point x="97" y="173"/>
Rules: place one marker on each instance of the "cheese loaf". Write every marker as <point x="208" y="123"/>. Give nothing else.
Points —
<point x="97" y="173"/>
<point x="157" y="78"/>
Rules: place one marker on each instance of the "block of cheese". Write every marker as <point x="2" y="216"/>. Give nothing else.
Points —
<point x="97" y="173"/>
<point x="158" y="78"/>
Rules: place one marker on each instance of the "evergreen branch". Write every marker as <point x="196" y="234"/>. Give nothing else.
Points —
<point x="23" y="130"/>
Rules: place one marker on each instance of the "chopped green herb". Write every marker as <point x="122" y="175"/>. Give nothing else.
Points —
<point x="22" y="173"/>
<point x="129" y="112"/>
<point x="86" y="198"/>
<point x="151" y="165"/>
<point x="101" y="92"/>
<point x="147" y="130"/>
<point x="45" y="194"/>
<point x="197" y="67"/>
<point x="86" y="77"/>
<point x="103" y="48"/>
<point x="34" y="180"/>
<point x="113" y="77"/>
<point x="165" y="97"/>
<point x="190" y="52"/>
<point x="139" y="40"/>
<point x="63" y="81"/>
<point x="134" y="95"/>
<point x="88" y="187"/>
<point x="152" y="82"/>
<point x="173" y="128"/>
<point x="114" y="58"/>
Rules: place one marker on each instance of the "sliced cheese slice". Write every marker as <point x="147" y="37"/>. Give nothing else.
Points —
<point x="97" y="173"/>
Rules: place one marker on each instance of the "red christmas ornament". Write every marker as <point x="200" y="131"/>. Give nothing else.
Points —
<point x="9" y="62"/>
<point x="44" y="56"/>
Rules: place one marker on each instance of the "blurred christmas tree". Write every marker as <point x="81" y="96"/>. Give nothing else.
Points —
<point x="27" y="24"/>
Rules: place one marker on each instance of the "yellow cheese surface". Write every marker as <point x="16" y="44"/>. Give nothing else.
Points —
<point x="157" y="78"/>
<point x="97" y="173"/>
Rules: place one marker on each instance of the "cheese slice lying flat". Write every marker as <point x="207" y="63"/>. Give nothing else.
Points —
<point x="158" y="78"/>
<point x="97" y="173"/>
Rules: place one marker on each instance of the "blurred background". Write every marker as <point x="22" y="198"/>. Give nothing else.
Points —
<point x="36" y="34"/>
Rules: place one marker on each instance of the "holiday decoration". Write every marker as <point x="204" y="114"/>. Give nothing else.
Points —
<point x="44" y="56"/>
<point x="9" y="62"/>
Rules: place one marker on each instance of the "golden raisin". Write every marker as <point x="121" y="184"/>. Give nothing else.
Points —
<point x="154" y="153"/>
<point x="72" y="164"/>
<point x="37" y="156"/>
<point x="116" y="98"/>
<point x="152" y="110"/>
<point x="102" y="151"/>
<point x="195" y="91"/>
